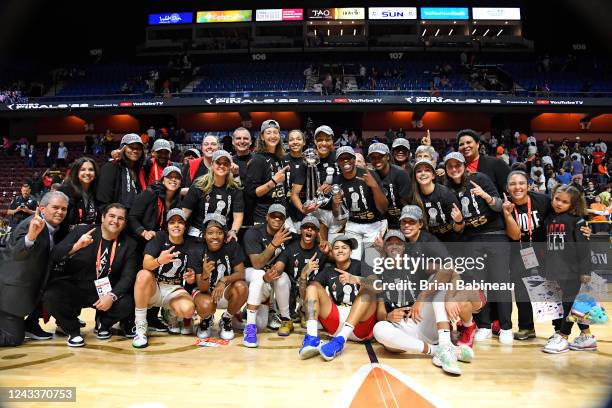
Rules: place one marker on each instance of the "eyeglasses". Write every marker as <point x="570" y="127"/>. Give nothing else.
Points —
<point x="223" y="163"/>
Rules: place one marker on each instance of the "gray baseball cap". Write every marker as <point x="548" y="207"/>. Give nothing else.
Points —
<point x="413" y="212"/>
<point x="215" y="218"/>
<point x="270" y="123"/>
<point x="176" y="211"/>
<point x="309" y="219"/>
<point x="454" y="156"/>
<point x="345" y="150"/>
<point x="277" y="208"/>
<point x="161" y="144"/>
<point x="325" y="129"/>
<point x="345" y="238"/>
<point x="170" y="169"/>
<point x="401" y="142"/>
<point x="380" y="148"/>
<point x="193" y="151"/>
<point x="221" y="153"/>
<point x="424" y="161"/>
<point x="394" y="233"/>
<point x="130" y="138"/>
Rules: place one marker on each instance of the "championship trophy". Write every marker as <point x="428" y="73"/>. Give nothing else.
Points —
<point x="313" y="181"/>
<point x="341" y="213"/>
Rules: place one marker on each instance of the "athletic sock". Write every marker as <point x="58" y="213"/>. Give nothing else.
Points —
<point x="312" y="327"/>
<point x="346" y="330"/>
<point x="444" y="336"/>
<point x="251" y="316"/>
<point x="140" y="315"/>
<point x="468" y="323"/>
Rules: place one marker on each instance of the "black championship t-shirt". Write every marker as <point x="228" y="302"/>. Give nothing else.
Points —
<point x="296" y="257"/>
<point x="438" y="206"/>
<point x="328" y="171"/>
<point x="190" y="256"/>
<point x="359" y="199"/>
<point x="329" y="279"/>
<point x="260" y="170"/>
<point x="249" y="204"/>
<point x="105" y="255"/>
<point x="225" y="260"/>
<point x="256" y="239"/>
<point x="540" y="209"/>
<point x="568" y="252"/>
<point x="397" y="185"/>
<point x="219" y="200"/>
<point x="478" y="216"/>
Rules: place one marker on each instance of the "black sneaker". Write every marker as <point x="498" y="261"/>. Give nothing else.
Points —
<point x="35" y="332"/>
<point x="128" y="329"/>
<point x="75" y="340"/>
<point x="102" y="331"/>
<point x="156" y="325"/>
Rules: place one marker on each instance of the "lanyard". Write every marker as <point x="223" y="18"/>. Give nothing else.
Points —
<point x="110" y="263"/>
<point x="529" y="227"/>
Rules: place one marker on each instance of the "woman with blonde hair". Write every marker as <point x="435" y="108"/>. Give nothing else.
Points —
<point x="215" y="192"/>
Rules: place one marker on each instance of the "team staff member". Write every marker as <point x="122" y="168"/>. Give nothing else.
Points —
<point x="22" y="206"/>
<point x="266" y="172"/>
<point x="199" y="167"/>
<point x="497" y="169"/>
<point x="217" y="192"/>
<point x="24" y="273"/>
<point x="295" y="258"/>
<point x="80" y="188"/>
<point x="395" y="181"/>
<point x="328" y="170"/>
<point x="241" y="141"/>
<point x="170" y="265"/>
<point x="101" y="263"/>
<point x="364" y="199"/>
<point x="263" y="244"/>
<point x="123" y="179"/>
<point x="221" y="284"/>
<point x="155" y="166"/>
<point x="401" y="153"/>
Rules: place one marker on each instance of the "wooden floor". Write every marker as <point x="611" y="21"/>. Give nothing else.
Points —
<point x="174" y="372"/>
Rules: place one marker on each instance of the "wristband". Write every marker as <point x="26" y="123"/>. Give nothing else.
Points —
<point x="274" y="181"/>
<point x="157" y="260"/>
<point x="113" y="296"/>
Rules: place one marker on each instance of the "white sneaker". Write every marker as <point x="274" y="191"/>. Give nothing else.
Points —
<point x="446" y="359"/>
<point x="557" y="344"/>
<point x="464" y="353"/>
<point x="203" y="330"/>
<point x="226" y="331"/>
<point x="187" y="327"/>
<point x="172" y="321"/>
<point x="483" y="334"/>
<point x="506" y="337"/>
<point x="584" y="343"/>
<point x="140" y="340"/>
<point x="274" y="320"/>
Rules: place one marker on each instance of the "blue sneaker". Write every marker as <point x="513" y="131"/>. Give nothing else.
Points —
<point x="250" y="336"/>
<point x="332" y="348"/>
<point x="310" y="347"/>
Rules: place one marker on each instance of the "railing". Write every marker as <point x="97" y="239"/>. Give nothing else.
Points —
<point x="301" y="92"/>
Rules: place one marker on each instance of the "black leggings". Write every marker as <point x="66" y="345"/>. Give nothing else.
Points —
<point x="523" y="304"/>
<point x="570" y="290"/>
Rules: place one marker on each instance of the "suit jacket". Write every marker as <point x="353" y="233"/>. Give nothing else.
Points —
<point x="81" y="266"/>
<point x="496" y="169"/>
<point x="24" y="271"/>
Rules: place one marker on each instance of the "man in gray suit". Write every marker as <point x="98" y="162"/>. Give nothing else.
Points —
<point x="24" y="269"/>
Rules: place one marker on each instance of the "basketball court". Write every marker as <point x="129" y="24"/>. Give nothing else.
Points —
<point x="174" y="372"/>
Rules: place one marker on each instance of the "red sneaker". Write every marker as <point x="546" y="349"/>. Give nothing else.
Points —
<point x="467" y="335"/>
<point x="495" y="327"/>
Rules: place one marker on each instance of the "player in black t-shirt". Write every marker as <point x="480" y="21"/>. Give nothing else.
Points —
<point x="395" y="181"/>
<point x="170" y="265"/>
<point x="328" y="170"/>
<point x="439" y="202"/>
<point x="221" y="284"/>
<point x="263" y="244"/>
<point x="216" y="192"/>
<point x="362" y="194"/>
<point x="413" y="318"/>
<point x="296" y="142"/>
<point x="295" y="258"/>
<point x="331" y="299"/>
